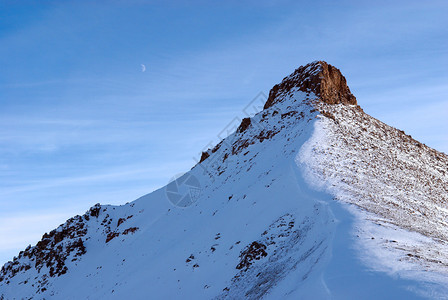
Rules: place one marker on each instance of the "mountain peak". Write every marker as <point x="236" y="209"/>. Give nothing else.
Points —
<point x="318" y="77"/>
<point x="278" y="177"/>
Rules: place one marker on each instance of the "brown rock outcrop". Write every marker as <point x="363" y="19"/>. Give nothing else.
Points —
<point x="320" y="78"/>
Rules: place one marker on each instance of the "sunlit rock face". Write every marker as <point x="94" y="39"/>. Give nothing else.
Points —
<point x="319" y="78"/>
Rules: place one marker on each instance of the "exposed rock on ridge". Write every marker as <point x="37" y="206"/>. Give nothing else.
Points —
<point x="318" y="77"/>
<point x="325" y="81"/>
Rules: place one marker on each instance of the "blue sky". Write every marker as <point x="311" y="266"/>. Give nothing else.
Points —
<point x="80" y="123"/>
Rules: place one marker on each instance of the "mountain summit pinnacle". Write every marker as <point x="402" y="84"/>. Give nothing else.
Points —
<point x="318" y="77"/>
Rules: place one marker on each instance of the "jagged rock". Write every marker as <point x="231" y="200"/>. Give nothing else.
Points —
<point x="320" y="78"/>
<point x="244" y="124"/>
<point x="204" y="156"/>
<point x="254" y="251"/>
<point x="95" y="210"/>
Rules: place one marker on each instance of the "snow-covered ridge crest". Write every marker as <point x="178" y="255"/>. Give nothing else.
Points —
<point x="317" y="82"/>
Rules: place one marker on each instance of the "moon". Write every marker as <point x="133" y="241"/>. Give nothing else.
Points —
<point x="143" y="67"/>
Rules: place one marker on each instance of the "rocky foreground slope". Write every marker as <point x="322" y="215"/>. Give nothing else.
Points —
<point x="309" y="199"/>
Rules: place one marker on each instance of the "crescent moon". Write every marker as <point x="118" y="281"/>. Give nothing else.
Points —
<point x="143" y="67"/>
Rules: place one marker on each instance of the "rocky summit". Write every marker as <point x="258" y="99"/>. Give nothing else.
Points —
<point x="319" y="78"/>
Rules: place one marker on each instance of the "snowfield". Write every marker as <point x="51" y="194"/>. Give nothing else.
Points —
<point x="306" y="200"/>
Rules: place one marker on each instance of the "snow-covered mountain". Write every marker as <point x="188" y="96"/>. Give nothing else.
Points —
<point x="311" y="198"/>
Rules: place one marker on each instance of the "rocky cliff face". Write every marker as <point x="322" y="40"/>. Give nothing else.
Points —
<point x="319" y="78"/>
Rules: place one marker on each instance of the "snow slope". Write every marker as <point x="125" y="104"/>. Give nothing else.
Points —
<point x="289" y="206"/>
